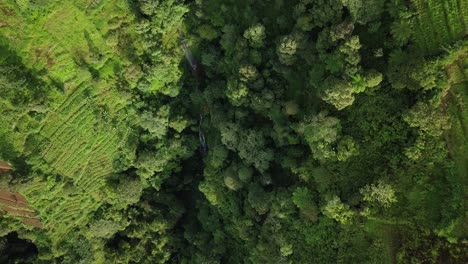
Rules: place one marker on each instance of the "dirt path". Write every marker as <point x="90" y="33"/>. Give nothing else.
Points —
<point x="456" y="102"/>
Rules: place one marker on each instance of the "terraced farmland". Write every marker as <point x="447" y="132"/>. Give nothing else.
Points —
<point x="439" y="23"/>
<point x="59" y="213"/>
<point x="16" y="206"/>
<point x="86" y="123"/>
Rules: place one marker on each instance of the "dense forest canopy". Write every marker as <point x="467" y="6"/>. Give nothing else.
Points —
<point x="233" y="131"/>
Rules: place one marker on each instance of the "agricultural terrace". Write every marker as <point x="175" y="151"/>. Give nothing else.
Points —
<point x="73" y="47"/>
<point x="15" y="205"/>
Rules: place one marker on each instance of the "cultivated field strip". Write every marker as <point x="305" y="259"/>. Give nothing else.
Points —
<point x="455" y="21"/>
<point x="14" y="205"/>
<point x="439" y="23"/>
<point x="60" y="213"/>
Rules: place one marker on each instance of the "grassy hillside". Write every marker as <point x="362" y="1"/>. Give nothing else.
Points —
<point x="71" y="46"/>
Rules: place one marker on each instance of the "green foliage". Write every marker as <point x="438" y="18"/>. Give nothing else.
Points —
<point x="213" y="195"/>
<point x="287" y="49"/>
<point x="364" y="11"/>
<point x="207" y="32"/>
<point x="321" y="132"/>
<point x="104" y="228"/>
<point x="208" y="131"/>
<point x="179" y="123"/>
<point x="438" y="24"/>
<point x="231" y="178"/>
<point x="237" y="92"/>
<point x="347" y="148"/>
<point x="256" y="35"/>
<point x="248" y="73"/>
<point x="259" y="199"/>
<point x="337" y="210"/>
<point x="127" y="191"/>
<point x="382" y="194"/>
<point x="428" y="75"/>
<point x="402" y="29"/>
<point x="157" y="125"/>
<point x="245" y="173"/>
<point x="350" y="50"/>
<point x="249" y="144"/>
<point x="427" y="119"/>
<point x="322" y="12"/>
<point x="338" y="92"/>
<point x="303" y="200"/>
